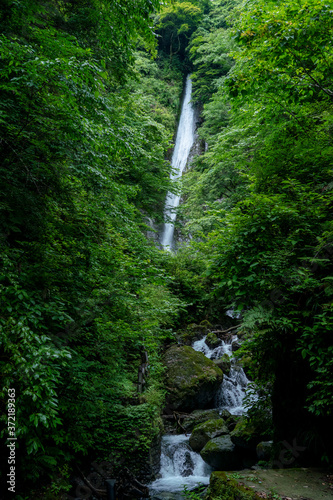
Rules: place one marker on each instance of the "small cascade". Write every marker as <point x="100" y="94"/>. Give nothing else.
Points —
<point x="184" y="141"/>
<point x="179" y="466"/>
<point x="232" y="391"/>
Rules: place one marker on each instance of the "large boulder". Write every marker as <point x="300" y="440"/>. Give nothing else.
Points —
<point x="205" y="432"/>
<point x="191" y="379"/>
<point x="264" y="450"/>
<point x="220" y="453"/>
<point x="198" y="417"/>
<point x="246" y="434"/>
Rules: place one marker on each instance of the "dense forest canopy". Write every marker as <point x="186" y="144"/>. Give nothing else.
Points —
<point x="90" y="93"/>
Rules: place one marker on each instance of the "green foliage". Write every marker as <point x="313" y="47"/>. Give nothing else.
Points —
<point x="259" y="198"/>
<point x="193" y="495"/>
<point x="82" y="292"/>
<point x="209" y="50"/>
<point x="175" y="25"/>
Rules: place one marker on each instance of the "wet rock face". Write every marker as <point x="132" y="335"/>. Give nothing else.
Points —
<point x="188" y="466"/>
<point x="205" y="432"/>
<point x="192" y="379"/>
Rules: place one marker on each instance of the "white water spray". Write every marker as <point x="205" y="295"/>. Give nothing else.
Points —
<point x="184" y="141"/>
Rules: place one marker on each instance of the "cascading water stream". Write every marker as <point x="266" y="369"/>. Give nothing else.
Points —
<point x="180" y="465"/>
<point x="233" y="388"/>
<point x="184" y="142"/>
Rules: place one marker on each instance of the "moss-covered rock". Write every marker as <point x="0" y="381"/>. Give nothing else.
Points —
<point x="220" y="453"/>
<point x="246" y="434"/>
<point x="212" y="340"/>
<point x="230" y="420"/>
<point x="205" y="432"/>
<point x="223" y="487"/>
<point x="264" y="450"/>
<point x="247" y="364"/>
<point x="198" y="417"/>
<point x="191" y="379"/>
<point x="193" y="332"/>
<point x="224" y="363"/>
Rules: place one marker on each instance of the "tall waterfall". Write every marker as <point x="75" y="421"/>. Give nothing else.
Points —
<point x="184" y="141"/>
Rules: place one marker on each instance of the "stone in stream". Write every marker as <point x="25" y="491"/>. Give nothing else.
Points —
<point x="230" y="420"/>
<point x="205" y="432"/>
<point x="191" y="379"/>
<point x="188" y="465"/>
<point x="212" y="340"/>
<point x="235" y="346"/>
<point x="220" y="453"/>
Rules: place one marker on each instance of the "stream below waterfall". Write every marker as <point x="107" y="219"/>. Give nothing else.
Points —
<point x="180" y="465"/>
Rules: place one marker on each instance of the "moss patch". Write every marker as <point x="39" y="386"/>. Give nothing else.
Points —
<point x="223" y="487"/>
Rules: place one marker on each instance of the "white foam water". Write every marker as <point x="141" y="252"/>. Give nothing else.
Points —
<point x="180" y="466"/>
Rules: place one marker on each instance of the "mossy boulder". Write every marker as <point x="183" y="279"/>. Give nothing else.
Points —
<point x="224" y="487"/>
<point x="246" y="434"/>
<point x="264" y="450"/>
<point x="198" y="417"/>
<point x="220" y="453"/>
<point x="212" y="340"/>
<point x="205" y="432"/>
<point x="191" y="379"/>
<point x="224" y="363"/>
<point x="230" y="420"/>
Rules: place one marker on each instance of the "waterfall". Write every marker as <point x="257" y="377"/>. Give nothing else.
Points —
<point x="184" y="141"/>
